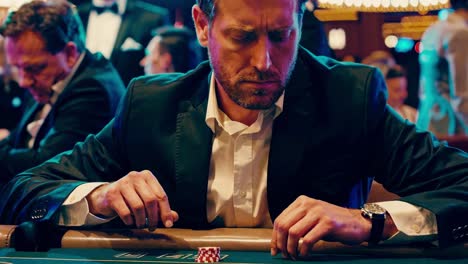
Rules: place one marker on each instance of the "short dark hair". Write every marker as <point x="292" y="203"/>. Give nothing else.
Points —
<point x="182" y="45"/>
<point x="395" y="71"/>
<point x="208" y="7"/>
<point x="55" y="20"/>
<point x="458" y="4"/>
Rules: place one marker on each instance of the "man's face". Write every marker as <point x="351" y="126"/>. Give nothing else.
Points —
<point x="397" y="91"/>
<point x="253" y="47"/>
<point x="154" y="61"/>
<point x="37" y="68"/>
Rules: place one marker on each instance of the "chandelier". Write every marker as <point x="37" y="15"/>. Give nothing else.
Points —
<point x="386" y="5"/>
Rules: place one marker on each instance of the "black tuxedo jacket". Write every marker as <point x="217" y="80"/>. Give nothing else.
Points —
<point x="138" y="22"/>
<point x="334" y="135"/>
<point x="86" y="104"/>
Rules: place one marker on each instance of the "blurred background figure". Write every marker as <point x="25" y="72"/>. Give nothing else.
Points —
<point x="396" y="80"/>
<point x="120" y="30"/>
<point x="172" y="49"/>
<point x="443" y="107"/>
<point x="397" y="86"/>
<point x="381" y="59"/>
<point x="12" y="97"/>
<point x="75" y="92"/>
<point x="314" y="38"/>
<point x="351" y="58"/>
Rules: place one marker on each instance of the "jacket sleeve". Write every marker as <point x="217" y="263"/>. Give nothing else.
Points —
<point x="83" y="112"/>
<point x="37" y="193"/>
<point x="415" y="165"/>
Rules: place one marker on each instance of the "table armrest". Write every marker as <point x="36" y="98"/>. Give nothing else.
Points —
<point x="239" y="239"/>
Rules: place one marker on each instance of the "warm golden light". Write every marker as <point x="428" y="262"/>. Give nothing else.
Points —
<point x="12" y="3"/>
<point x="386" y="5"/>
<point x="5" y="6"/>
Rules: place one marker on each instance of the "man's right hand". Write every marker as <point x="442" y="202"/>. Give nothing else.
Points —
<point x="134" y="198"/>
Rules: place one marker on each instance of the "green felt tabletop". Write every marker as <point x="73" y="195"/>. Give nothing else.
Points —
<point x="124" y="256"/>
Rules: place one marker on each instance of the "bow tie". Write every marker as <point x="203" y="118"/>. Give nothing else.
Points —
<point x="101" y="9"/>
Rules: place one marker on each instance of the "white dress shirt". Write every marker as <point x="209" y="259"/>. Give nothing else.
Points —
<point x="238" y="180"/>
<point x="102" y="29"/>
<point x="237" y="190"/>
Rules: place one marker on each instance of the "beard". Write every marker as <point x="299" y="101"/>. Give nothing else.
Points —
<point x="242" y="90"/>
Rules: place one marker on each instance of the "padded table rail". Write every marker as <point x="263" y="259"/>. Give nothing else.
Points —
<point x="238" y="239"/>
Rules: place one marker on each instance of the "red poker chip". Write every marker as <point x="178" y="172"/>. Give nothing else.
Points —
<point x="207" y="260"/>
<point x="208" y="254"/>
<point x="214" y="250"/>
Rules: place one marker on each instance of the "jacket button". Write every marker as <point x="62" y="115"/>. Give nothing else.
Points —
<point x="38" y="213"/>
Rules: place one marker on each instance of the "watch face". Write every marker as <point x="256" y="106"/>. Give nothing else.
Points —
<point x="374" y="208"/>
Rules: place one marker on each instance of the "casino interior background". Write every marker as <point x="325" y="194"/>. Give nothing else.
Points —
<point x="354" y="27"/>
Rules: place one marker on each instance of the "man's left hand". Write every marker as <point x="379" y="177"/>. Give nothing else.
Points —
<point x="314" y="220"/>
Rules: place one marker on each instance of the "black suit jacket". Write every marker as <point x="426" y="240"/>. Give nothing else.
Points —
<point x="138" y="22"/>
<point x="335" y="133"/>
<point x="86" y="104"/>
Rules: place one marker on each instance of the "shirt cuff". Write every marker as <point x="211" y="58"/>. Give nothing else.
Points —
<point x="75" y="210"/>
<point x="415" y="224"/>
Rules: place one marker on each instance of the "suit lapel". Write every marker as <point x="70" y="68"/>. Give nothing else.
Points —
<point x="45" y="127"/>
<point x="291" y="131"/>
<point x="193" y="153"/>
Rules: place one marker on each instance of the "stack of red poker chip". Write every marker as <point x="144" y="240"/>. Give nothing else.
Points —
<point x="208" y="254"/>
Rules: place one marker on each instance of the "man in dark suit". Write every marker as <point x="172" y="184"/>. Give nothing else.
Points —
<point x="120" y="30"/>
<point x="265" y="135"/>
<point x="75" y="93"/>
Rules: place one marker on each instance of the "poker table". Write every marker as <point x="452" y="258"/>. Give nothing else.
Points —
<point x="238" y="245"/>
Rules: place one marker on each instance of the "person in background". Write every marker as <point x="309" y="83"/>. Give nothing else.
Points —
<point x="351" y="58"/>
<point x="397" y="87"/>
<point x="265" y="134"/>
<point x="75" y="92"/>
<point x="443" y="93"/>
<point x="120" y="30"/>
<point x="12" y="97"/>
<point x="381" y="59"/>
<point x="172" y="49"/>
<point x="314" y="37"/>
